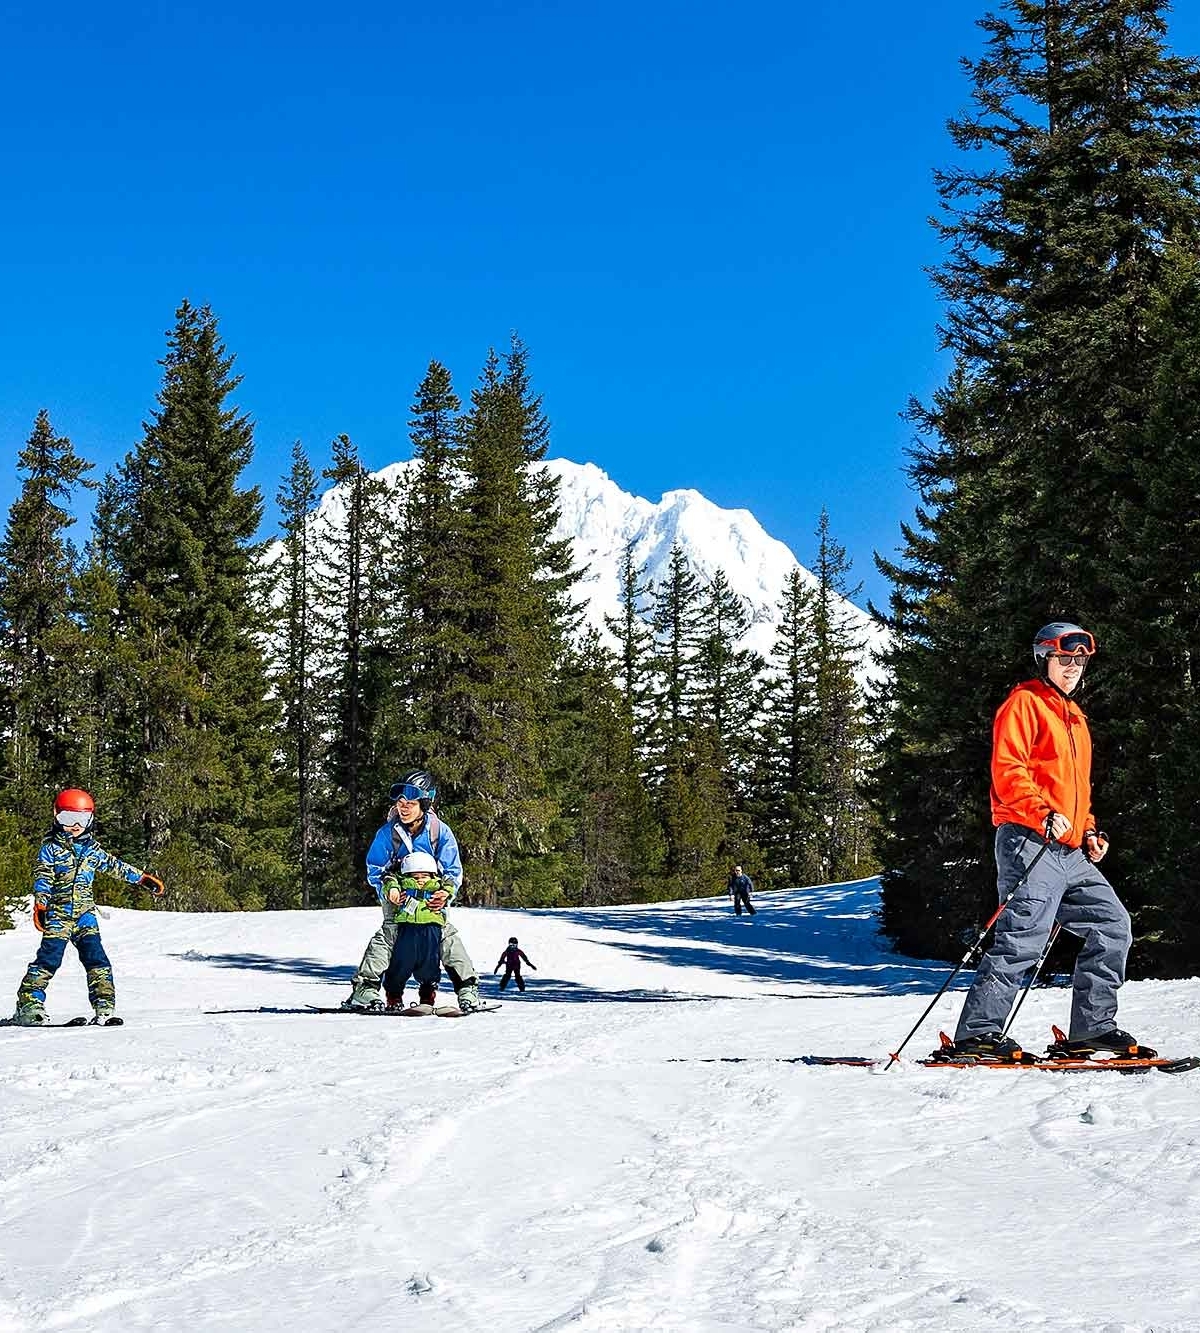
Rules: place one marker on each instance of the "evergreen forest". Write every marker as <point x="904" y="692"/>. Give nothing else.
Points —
<point x="239" y="705"/>
<point x="1058" y="469"/>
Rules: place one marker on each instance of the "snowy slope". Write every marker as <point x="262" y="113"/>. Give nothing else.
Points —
<point x="600" y="519"/>
<point x="586" y="1158"/>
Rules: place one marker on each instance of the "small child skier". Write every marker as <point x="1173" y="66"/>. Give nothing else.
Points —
<point x="418" y="948"/>
<point x="511" y="959"/>
<point x="64" y="909"/>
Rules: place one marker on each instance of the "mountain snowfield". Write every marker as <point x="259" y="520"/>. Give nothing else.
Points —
<point x="600" y="519"/>
<point x="626" y="1146"/>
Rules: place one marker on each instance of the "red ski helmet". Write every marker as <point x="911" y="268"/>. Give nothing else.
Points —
<point x="74" y="806"/>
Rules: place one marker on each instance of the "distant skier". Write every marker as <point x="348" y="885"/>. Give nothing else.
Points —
<point x="64" y="909"/>
<point x="740" y="887"/>
<point x="1042" y="798"/>
<point x="510" y="960"/>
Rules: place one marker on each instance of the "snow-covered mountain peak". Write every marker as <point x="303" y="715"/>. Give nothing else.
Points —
<point x="600" y="520"/>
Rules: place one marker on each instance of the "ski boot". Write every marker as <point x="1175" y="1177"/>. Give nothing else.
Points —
<point x="106" y="1017"/>
<point x="1114" y="1044"/>
<point x="29" y="1015"/>
<point x="362" y="1000"/>
<point x="991" y="1048"/>
<point x="468" y="997"/>
<point x="395" y="1002"/>
<point x="426" y="999"/>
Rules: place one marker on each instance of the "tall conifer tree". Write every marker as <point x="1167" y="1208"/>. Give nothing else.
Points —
<point x="352" y="611"/>
<point x="199" y="740"/>
<point x="38" y="655"/>
<point x="1060" y="243"/>
<point x="515" y="612"/>
<point x="297" y="667"/>
<point x="785" y="801"/>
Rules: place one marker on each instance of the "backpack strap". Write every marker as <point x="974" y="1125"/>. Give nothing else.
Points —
<point x="400" y="838"/>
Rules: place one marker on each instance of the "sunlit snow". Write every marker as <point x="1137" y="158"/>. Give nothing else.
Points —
<point x="627" y="1146"/>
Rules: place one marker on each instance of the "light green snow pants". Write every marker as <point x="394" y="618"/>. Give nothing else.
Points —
<point x="455" y="958"/>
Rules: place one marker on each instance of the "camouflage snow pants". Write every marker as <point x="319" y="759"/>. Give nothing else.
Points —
<point x="84" y="933"/>
<point x="378" y="955"/>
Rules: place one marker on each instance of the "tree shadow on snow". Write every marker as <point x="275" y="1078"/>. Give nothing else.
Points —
<point x="826" y="935"/>
<point x="261" y="962"/>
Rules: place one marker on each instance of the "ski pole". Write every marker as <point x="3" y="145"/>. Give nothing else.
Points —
<point x="1028" y="986"/>
<point x="966" y="958"/>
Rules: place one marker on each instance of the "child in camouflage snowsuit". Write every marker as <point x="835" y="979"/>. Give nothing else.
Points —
<point x="64" y="909"/>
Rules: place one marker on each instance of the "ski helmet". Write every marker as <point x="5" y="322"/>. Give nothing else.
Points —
<point x="1060" y="636"/>
<point x="417" y="785"/>
<point x="74" y="806"/>
<point x="415" y="862"/>
<point x="512" y="939"/>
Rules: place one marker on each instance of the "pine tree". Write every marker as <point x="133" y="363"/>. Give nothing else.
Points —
<point x="37" y="566"/>
<point x="515" y="612"/>
<point x="351" y="620"/>
<point x="430" y="579"/>
<point x="1149" y="674"/>
<point x="609" y="829"/>
<point x="198" y="739"/>
<point x="675" y="619"/>
<point x="786" y="803"/>
<point x="1059" y="246"/>
<point x="635" y="648"/>
<point x="845" y="844"/>
<point x="685" y="755"/>
<point x="726" y="687"/>
<point x="297" y="669"/>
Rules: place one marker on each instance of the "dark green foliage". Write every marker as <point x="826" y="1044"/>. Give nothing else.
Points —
<point x="1060" y="247"/>
<point x="296" y="671"/>
<point x="38" y="657"/>
<point x="785" y="802"/>
<point x="353" y="619"/>
<point x="612" y="835"/>
<point x="239" y="719"/>
<point x="427" y="649"/>
<point x="845" y="838"/>
<point x="512" y="617"/>
<point x="192" y="726"/>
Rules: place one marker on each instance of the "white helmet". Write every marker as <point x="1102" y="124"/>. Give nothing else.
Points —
<point x="418" y="861"/>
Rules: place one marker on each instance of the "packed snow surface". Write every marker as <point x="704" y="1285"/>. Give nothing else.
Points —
<point x="626" y="1146"/>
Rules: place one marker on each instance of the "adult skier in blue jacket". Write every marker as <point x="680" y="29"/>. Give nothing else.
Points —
<point x="412" y="826"/>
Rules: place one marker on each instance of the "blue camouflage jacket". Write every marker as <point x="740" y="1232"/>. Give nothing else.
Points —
<point x="66" y="868"/>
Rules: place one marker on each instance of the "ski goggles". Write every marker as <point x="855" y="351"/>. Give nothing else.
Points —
<point x="1077" y="641"/>
<point x="408" y="791"/>
<point x="69" y="818"/>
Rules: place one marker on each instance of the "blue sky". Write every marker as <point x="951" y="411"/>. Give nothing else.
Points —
<point x="706" y="221"/>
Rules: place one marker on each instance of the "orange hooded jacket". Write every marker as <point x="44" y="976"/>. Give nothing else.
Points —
<point x="1042" y="761"/>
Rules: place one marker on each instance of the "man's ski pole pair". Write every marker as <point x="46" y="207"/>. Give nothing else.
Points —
<point x="970" y="953"/>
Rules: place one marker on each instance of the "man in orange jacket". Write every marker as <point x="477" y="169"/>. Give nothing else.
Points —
<point x="1042" y="798"/>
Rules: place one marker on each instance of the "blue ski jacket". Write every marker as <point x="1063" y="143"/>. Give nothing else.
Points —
<point x="393" y="842"/>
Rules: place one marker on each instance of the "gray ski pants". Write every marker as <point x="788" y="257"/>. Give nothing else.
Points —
<point x="378" y="955"/>
<point x="1066" y="887"/>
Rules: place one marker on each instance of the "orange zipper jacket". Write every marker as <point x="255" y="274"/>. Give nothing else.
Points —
<point x="1042" y="761"/>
